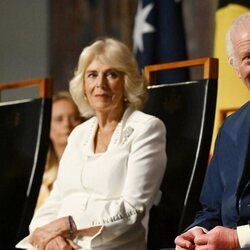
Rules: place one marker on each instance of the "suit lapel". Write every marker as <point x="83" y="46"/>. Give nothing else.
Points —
<point x="242" y="146"/>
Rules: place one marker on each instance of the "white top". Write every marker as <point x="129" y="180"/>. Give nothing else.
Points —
<point x="115" y="189"/>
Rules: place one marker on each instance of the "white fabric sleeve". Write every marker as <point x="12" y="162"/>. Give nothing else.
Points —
<point x="48" y="211"/>
<point x="243" y="233"/>
<point x="24" y="244"/>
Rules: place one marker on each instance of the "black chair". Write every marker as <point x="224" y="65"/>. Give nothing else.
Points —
<point x="188" y="110"/>
<point x="24" y="140"/>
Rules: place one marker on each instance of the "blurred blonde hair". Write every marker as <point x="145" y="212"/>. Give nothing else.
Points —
<point x="52" y="159"/>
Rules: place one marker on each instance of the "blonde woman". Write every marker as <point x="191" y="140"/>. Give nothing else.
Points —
<point x="65" y="116"/>
<point x="112" y="167"/>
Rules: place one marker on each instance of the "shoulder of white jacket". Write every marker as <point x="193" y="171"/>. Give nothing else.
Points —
<point x="141" y="120"/>
<point x="141" y="117"/>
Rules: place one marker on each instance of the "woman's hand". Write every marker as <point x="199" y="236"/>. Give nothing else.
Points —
<point x="57" y="233"/>
<point x="43" y="235"/>
<point x="60" y="243"/>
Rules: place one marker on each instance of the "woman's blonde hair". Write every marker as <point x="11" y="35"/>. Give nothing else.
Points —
<point x="52" y="159"/>
<point x="63" y="95"/>
<point x="116" y="55"/>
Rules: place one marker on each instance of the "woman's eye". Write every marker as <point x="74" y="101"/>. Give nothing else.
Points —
<point x="91" y="75"/>
<point x="57" y="119"/>
<point x="112" y="74"/>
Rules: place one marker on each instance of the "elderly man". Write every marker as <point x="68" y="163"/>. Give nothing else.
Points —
<point x="223" y="223"/>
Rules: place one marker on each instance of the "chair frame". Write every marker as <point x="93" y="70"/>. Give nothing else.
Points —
<point x="210" y="67"/>
<point x="210" y="72"/>
<point x="45" y="86"/>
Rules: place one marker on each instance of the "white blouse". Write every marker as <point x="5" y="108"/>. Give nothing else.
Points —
<point x="114" y="189"/>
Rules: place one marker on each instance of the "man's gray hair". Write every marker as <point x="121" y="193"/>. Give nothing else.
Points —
<point x="240" y="21"/>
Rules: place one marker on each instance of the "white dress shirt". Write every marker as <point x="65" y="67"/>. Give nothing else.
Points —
<point x="243" y="233"/>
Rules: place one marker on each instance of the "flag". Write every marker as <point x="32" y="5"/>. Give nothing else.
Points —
<point x="159" y="35"/>
<point x="231" y="91"/>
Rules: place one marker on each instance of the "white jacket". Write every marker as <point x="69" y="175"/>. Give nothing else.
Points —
<point x="115" y="189"/>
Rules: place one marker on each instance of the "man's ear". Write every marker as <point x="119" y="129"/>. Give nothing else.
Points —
<point x="232" y="62"/>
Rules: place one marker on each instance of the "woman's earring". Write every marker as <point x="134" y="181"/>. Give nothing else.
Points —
<point x="85" y="96"/>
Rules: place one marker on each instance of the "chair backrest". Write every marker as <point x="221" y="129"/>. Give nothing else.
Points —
<point x="187" y="109"/>
<point x="24" y="140"/>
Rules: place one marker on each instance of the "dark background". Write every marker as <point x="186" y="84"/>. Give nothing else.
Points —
<point x="45" y="38"/>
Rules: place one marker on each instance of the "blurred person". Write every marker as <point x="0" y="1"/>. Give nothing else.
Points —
<point x="64" y="117"/>
<point x="223" y="223"/>
<point x="111" y="170"/>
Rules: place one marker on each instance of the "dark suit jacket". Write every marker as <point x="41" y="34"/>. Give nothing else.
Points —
<point x="223" y="182"/>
